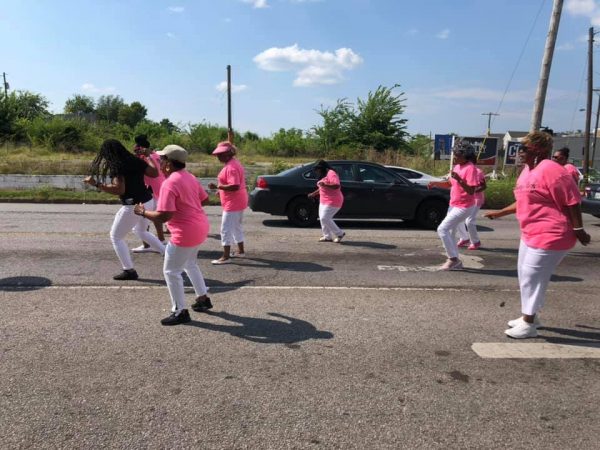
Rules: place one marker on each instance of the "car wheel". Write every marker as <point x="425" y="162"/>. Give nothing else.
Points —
<point x="431" y="213"/>
<point x="302" y="212"/>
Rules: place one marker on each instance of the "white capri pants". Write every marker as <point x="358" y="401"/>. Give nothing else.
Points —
<point x="328" y="226"/>
<point x="178" y="259"/>
<point x="467" y="231"/>
<point x="231" y="228"/>
<point x="447" y="229"/>
<point x="126" y="221"/>
<point x="535" y="267"/>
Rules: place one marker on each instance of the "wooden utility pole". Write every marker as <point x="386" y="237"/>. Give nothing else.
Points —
<point x="540" y="96"/>
<point x="588" y="108"/>
<point x="5" y="85"/>
<point x="229" y="127"/>
<point x="489" y="114"/>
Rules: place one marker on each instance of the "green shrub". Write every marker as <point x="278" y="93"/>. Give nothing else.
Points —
<point x="499" y="193"/>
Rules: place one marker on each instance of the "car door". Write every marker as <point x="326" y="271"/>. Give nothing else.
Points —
<point x="351" y="188"/>
<point x="387" y="195"/>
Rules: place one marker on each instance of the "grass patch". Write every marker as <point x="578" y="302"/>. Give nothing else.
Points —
<point x="499" y="193"/>
<point x="56" y="195"/>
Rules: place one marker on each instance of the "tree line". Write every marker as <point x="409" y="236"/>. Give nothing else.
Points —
<point x="346" y="130"/>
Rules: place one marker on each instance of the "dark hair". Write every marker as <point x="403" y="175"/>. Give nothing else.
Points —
<point x="142" y="141"/>
<point x="564" y="151"/>
<point x="112" y="160"/>
<point x="177" y="164"/>
<point x="322" y="165"/>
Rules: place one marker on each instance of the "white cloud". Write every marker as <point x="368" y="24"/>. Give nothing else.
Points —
<point x="222" y="87"/>
<point x="176" y="9"/>
<point x="586" y="8"/>
<point x="91" y="89"/>
<point x="443" y="34"/>
<point x="259" y="4"/>
<point x="566" y="46"/>
<point x="170" y="35"/>
<point x="483" y="94"/>
<point x="312" y="67"/>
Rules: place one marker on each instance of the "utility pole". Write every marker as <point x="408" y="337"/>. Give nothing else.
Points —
<point x="540" y="96"/>
<point x="229" y="127"/>
<point x="489" y="114"/>
<point x="5" y="85"/>
<point x="596" y="128"/>
<point x="588" y="109"/>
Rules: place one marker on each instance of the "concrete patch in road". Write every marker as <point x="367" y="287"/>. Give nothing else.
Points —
<point x="533" y="350"/>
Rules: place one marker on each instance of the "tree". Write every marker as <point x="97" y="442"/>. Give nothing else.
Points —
<point x="377" y="122"/>
<point x="108" y="107"/>
<point x="336" y="125"/>
<point x="132" y="114"/>
<point x="80" y="104"/>
<point x="420" y="145"/>
<point x="20" y="106"/>
<point x="169" y="126"/>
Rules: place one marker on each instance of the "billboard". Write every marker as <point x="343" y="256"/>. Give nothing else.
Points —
<point x="485" y="148"/>
<point x="510" y="157"/>
<point x="443" y="146"/>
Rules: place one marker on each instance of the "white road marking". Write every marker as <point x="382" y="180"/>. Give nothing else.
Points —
<point x="253" y="288"/>
<point x="534" y="350"/>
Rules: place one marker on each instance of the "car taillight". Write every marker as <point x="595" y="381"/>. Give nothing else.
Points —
<point x="261" y="183"/>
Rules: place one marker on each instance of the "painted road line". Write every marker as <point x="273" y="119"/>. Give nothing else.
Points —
<point x="535" y="350"/>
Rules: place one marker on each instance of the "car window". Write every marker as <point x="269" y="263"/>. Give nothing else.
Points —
<point x="408" y="173"/>
<point x="344" y="171"/>
<point x="372" y="174"/>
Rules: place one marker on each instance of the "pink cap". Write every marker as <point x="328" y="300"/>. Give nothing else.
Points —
<point x="224" y="147"/>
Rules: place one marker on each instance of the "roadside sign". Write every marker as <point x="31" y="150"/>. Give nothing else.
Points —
<point x="443" y="146"/>
<point x="510" y="157"/>
<point x="485" y="148"/>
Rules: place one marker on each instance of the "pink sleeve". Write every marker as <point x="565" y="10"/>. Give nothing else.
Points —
<point x="166" y="200"/>
<point x="233" y="176"/>
<point x="332" y="177"/>
<point x="564" y="191"/>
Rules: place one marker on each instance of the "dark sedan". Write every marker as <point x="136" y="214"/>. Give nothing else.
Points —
<point x="370" y="192"/>
<point x="590" y="203"/>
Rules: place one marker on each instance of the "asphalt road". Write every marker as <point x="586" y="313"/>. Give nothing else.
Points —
<point x="310" y="345"/>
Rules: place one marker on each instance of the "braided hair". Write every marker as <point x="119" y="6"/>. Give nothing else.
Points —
<point x="112" y="160"/>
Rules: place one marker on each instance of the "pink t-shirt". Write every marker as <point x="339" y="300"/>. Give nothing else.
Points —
<point x="233" y="173"/>
<point x="572" y="170"/>
<point x="459" y="198"/>
<point x="543" y="195"/>
<point x="329" y="196"/>
<point x="479" y="196"/>
<point x="182" y="194"/>
<point x="155" y="183"/>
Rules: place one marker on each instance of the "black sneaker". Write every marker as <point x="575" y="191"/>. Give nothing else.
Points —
<point x="129" y="274"/>
<point x="202" y="305"/>
<point x="176" y="319"/>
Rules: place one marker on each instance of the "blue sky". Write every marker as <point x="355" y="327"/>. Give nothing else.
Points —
<point x="452" y="58"/>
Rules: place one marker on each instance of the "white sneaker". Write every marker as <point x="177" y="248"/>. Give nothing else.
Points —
<point x="452" y="265"/>
<point x="142" y="249"/>
<point x="325" y="239"/>
<point x="536" y="321"/>
<point x="338" y="239"/>
<point x="218" y="262"/>
<point x="523" y="330"/>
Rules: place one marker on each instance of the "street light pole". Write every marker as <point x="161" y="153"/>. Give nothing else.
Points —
<point x="489" y="114"/>
<point x="588" y="110"/>
<point x="596" y="128"/>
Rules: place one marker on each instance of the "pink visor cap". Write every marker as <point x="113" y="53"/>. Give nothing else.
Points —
<point x="224" y="147"/>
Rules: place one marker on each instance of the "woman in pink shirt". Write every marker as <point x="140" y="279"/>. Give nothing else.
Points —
<point x="463" y="183"/>
<point x="561" y="156"/>
<point x="234" y="200"/>
<point x="549" y="214"/>
<point x="180" y="203"/>
<point x="467" y="231"/>
<point x="143" y="151"/>
<point x="331" y="200"/>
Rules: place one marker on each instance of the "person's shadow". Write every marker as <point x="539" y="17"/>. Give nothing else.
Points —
<point x="264" y="331"/>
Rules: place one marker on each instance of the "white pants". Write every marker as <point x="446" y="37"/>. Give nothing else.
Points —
<point x="178" y="259"/>
<point x="467" y="231"/>
<point x="447" y="229"/>
<point x="535" y="267"/>
<point x="328" y="226"/>
<point x="231" y="228"/>
<point x="126" y="221"/>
